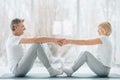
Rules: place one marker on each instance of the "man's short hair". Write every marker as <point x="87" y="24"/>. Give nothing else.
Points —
<point x="15" y="22"/>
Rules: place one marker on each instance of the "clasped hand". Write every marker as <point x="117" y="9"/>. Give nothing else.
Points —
<point x="61" y="42"/>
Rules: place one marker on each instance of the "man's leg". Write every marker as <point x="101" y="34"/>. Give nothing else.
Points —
<point x="26" y="62"/>
<point x="28" y="59"/>
<point x="42" y="56"/>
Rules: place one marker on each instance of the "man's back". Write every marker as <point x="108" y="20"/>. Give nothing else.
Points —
<point x="14" y="50"/>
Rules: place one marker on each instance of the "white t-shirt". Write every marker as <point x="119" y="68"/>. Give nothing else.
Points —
<point x="104" y="51"/>
<point x="14" y="50"/>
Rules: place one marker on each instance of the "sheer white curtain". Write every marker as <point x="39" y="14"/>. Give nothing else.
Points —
<point x="93" y="12"/>
<point x="11" y="9"/>
<point x="40" y="18"/>
<point x="75" y="19"/>
<point x="55" y="18"/>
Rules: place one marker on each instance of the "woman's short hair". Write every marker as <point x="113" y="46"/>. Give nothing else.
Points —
<point x="107" y="27"/>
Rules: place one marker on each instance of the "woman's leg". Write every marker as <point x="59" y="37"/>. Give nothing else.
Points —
<point x="92" y="62"/>
<point x="28" y="60"/>
<point x="78" y="63"/>
<point x="96" y="66"/>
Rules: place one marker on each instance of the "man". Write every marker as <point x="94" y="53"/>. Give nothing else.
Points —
<point x="21" y="61"/>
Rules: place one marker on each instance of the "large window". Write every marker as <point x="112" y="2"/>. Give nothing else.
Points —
<point x="65" y="18"/>
<point x="75" y="19"/>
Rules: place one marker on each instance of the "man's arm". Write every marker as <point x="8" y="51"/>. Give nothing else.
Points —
<point x="37" y="40"/>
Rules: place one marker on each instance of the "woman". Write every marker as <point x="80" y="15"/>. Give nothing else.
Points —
<point x="99" y="64"/>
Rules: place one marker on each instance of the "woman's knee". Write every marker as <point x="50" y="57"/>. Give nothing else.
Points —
<point x="85" y="53"/>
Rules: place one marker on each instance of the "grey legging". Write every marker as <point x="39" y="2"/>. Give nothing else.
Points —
<point x="27" y="61"/>
<point x="95" y="65"/>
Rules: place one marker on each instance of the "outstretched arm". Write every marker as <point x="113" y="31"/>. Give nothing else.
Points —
<point x="83" y="42"/>
<point x="37" y="40"/>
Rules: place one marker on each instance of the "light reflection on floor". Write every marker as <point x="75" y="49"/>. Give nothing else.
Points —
<point x="83" y="69"/>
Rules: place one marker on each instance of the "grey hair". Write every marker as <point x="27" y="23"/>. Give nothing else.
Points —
<point x="15" y="22"/>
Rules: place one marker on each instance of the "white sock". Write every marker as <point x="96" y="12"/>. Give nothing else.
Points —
<point x="54" y="72"/>
<point x="68" y="71"/>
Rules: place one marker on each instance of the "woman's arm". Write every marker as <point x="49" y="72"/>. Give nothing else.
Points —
<point x="37" y="40"/>
<point x="84" y="42"/>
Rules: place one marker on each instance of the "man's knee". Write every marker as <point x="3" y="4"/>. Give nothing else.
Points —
<point x="36" y="45"/>
<point x="83" y="53"/>
<point x="87" y="53"/>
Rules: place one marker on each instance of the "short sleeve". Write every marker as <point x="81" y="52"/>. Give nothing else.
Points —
<point x="16" y="40"/>
<point x="103" y="39"/>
